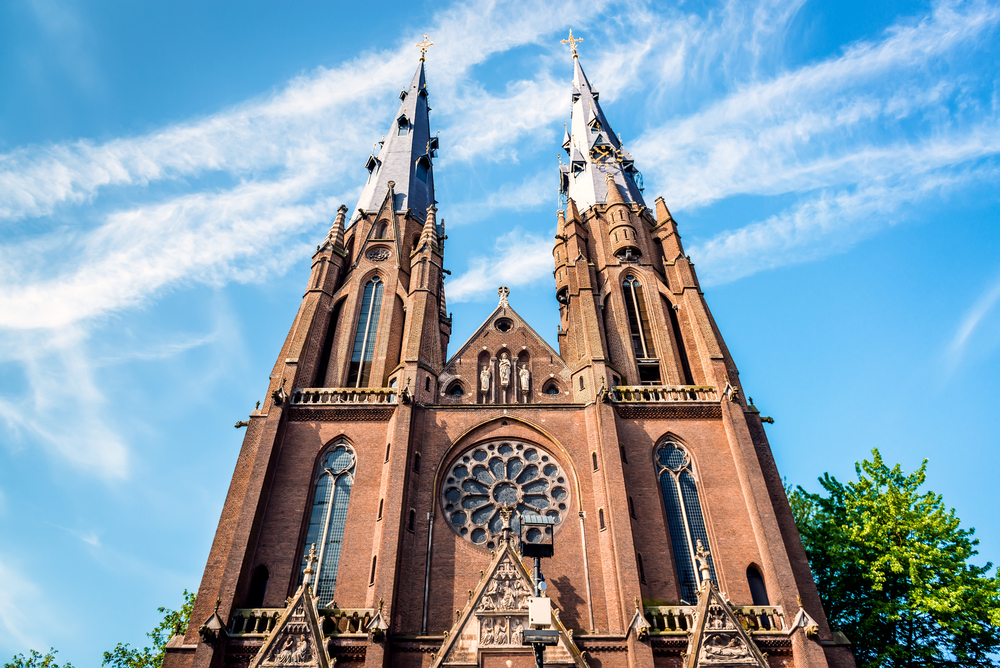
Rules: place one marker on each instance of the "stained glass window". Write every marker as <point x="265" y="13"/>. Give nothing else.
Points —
<point x="685" y="519"/>
<point x="363" y="353"/>
<point x="334" y="479"/>
<point x="638" y="319"/>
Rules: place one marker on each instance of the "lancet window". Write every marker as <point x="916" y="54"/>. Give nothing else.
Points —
<point x="640" y="331"/>
<point x="334" y="479"/>
<point x="359" y="373"/>
<point x="684" y="517"/>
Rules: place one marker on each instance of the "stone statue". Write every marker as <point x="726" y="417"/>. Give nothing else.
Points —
<point x="484" y="378"/>
<point x="504" y="370"/>
<point x="525" y="377"/>
<point x="701" y="556"/>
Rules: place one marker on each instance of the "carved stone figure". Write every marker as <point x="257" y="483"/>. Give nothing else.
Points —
<point x="509" y="602"/>
<point x="504" y="370"/>
<point x="701" y="556"/>
<point x="486" y="637"/>
<point x="484" y="379"/>
<point x="517" y="633"/>
<point x="525" y="377"/>
<point x="717" y="647"/>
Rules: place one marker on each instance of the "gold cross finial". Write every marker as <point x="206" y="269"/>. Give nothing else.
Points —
<point x="424" y="45"/>
<point x="572" y="42"/>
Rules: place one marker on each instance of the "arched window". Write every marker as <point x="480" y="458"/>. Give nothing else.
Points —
<point x="360" y="370"/>
<point x="334" y="479"/>
<point x="258" y="587"/>
<point x="640" y="331"/>
<point x="642" y="571"/>
<point x="593" y="460"/>
<point x="404" y="126"/>
<point x="600" y="518"/>
<point x="380" y="231"/>
<point x="381" y="503"/>
<point x="758" y="590"/>
<point x="684" y="516"/>
<point x="423" y="165"/>
<point x="455" y="389"/>
<point x="412" y="520"/>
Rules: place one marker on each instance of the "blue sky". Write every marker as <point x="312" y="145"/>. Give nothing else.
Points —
<point x="166" y="169"/>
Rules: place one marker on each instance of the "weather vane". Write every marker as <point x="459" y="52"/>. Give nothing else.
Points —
<point x="424" y="45"/>
<point x="572" y="42"/>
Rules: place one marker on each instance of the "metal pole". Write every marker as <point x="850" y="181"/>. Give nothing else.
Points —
<point x="538" y="647"/>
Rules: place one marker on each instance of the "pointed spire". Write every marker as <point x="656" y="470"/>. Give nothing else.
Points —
<point x="662" y="212"/>
<point x="406" y="155"/>
<point x="336" y="236"/>
<point x="614" y="195"/>
<point x="596" y="153"/>
<point x="429" y="234"/>
<point x="572" y="214"/>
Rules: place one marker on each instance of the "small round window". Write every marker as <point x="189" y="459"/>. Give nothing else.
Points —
<point x="504" y="324"/>
<point x="487" y="477"/>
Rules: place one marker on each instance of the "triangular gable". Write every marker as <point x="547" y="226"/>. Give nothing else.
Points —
<point x="297" y="638"/>
<point x="496" y="615"/>
<point x="386" y="211"/>
<point x="717" y="639"/>
<point x="507" y="311"/>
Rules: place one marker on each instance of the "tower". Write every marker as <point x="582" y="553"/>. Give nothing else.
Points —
<point x="372" y="517"/>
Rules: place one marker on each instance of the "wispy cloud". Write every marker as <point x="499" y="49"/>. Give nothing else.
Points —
<point x="971" y="321"/>
<point x="518" y="258"/>
<point x="21" y="606"/>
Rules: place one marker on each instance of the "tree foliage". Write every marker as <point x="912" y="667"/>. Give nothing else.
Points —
<point x="892" y="567"/>
<point x="174" y="621"/>
<point x="36" y="660"/>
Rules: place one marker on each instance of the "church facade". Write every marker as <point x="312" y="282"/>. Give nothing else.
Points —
<point x="374" y="514"/>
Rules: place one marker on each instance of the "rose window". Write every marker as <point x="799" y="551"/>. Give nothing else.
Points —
<point x="486" y="478"/>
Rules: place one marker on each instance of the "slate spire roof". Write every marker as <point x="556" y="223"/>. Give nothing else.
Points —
<point x="594" y="151"/>
<point x="405" y="157"/>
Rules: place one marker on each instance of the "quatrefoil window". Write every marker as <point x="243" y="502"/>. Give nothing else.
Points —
<point x="487" y="477"/>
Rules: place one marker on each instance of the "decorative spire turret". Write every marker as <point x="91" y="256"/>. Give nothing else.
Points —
<point x="336" y="236"/>
<point x="406" y="154"/>
<point x="594" y="150"/>
<point x="429" y="235"/>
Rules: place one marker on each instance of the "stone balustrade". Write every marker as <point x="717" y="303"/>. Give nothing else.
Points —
<point x="325" y="396"/>
<point x="340" y="622"/>
<point x="662" y="394"/>
<point x="254" y="622"/>
<point x="677" y="619"/>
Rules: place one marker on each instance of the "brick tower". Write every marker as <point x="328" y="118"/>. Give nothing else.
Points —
<point x="374" y="517"/>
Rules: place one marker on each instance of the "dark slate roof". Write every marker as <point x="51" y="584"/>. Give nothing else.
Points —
<point x="399" y="156"/>
<point x="588" y="186"/>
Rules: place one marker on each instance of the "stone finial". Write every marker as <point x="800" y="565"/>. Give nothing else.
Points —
<point x="701" y="556"/>
<point x="310" y="560"/>
<point x="503" y="291"/>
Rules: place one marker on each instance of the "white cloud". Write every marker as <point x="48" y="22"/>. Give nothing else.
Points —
<point x="518" y="259"/>
<point x="64" y="407"/>
<point x="971" y="321"/>
<point x="818" y="126"/>
<point x="21" y="606"/>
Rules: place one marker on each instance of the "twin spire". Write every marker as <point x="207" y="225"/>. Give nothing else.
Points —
<point x="598" y="162"/>
<point x="405" y="155"/>
<point x="597" y="159"/>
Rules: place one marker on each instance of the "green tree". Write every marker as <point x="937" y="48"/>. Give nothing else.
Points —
<point x="36" y="660"/>
<point x="126" y="656"/>
<point x="892" y="567"/>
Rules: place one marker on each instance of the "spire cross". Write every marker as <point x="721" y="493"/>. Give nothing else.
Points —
<point x="424" y="45"/>
<point x="572" y="41"/>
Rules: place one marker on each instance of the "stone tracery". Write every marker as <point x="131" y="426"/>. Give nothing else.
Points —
<point x="486" y="477"/>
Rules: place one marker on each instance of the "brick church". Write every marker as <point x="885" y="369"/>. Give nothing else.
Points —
<point x="374" y="515"/>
